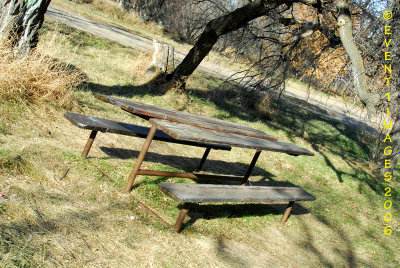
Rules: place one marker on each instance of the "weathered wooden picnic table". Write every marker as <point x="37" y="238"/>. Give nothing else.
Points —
<point x="184" y="126"/>
<point x="190" y="127"/>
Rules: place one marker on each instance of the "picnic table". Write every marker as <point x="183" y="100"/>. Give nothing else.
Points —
<point x="188" y="127"/>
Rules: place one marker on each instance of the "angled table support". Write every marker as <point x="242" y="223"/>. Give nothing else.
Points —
<point x="251" y="167"/>
<point x="140" y="158"/>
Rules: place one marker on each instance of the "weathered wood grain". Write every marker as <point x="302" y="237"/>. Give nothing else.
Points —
<point x="192" y="133"/>
<point x="110" y="126"/>
<point x="208" y="193"/>
<point x="150" y="111"/>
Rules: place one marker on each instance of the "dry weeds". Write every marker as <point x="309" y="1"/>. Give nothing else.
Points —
<point x="36" y="78"/>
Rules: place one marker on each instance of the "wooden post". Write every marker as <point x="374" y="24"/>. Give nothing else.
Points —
<point x="163" y="59"/>
<point x="203" y="159"/>
<point x="287" y="212"/>
<point x="140" y="158"/>
<point x="251" y="167"/>
<point x="89" y="143"/>
<point x="181" y="217"/>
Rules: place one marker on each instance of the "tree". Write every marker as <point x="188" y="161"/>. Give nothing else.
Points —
<point x="254" y="9"/>
<point x="330" y="21"/>
<point x="148" y="9"/>
<point x="125" y="5"/>
<point x="20" y="21"/>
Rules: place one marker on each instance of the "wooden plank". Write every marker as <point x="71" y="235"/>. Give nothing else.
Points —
<point x="208" y="193"/>
<point x="110" y="126"/>
<point x="150" y="111"/>
<point x="192" y="133"/>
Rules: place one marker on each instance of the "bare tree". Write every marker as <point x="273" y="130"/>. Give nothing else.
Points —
<point x="125" y="5"/>
<point x="148" y="9"/>
<point x="20" y="21"/>
<point x="282" y="40"/>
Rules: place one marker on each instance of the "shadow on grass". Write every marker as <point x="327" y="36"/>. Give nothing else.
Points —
<point x="325" y="134"/>
<point x="236" y="211"/>
<point x="328" y="138"/>
<point x="189" y="164"/>
<point x="127" y="91"/>
<point x="346" y="252"/>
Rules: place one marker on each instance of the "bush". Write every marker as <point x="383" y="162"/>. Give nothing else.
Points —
<point x="35" y="78"/>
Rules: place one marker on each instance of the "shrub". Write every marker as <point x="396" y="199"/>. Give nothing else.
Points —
<point x="35" y="78"/>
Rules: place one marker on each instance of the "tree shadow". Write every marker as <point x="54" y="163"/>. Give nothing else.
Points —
<point x="346" y="253"/>
<point x="127" y="91"/>
<point x="233" y="260"/>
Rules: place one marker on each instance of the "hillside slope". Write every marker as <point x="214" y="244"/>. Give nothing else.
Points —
<point x="58" y="209"/>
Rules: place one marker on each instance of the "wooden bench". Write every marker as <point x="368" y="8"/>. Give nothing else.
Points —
<point x="96" y="124"/>
<point x="211" y="193"/>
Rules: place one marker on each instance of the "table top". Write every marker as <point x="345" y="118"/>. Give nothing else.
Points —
<point x="193" y="133"/>
<point x="150" y="111"/>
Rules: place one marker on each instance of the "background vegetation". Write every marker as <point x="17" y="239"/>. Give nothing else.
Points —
<point x="84" y="219"/>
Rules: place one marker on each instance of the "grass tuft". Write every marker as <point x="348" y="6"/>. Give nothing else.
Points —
<point x="35" y="78"/>
<point x="11" y="163"/>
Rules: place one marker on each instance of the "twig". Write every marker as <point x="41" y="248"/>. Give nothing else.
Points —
<point x="65" y="174"/>
<point x="152" y="213"/>
<point x="103" y="173"/>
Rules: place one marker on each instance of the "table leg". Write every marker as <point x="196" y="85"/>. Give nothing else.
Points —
<point x="140" y="158"/>
<point x="287" y="212"/>
<point x="89" y="143"/>
<point x="181" y="217"/>
<point x="251" y="167"/>
<point x="203" y="159"/>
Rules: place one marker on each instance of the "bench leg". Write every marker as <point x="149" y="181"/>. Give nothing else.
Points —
<point x="181" y="217"/>
<point x="140" y="158"/>
<point x="251" y="167"/>
<point x="287" y="212"/>
<point x="89" y="143"/>
<point x="203" y="159"/>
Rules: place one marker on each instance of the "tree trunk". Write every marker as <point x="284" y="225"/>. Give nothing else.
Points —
<point x="20" y="21"/>
<point x="213" y="30"/>
<point x="163" y="60"/>
<point x="360" y="81"/>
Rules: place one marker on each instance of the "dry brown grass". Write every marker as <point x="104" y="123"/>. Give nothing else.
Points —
<point x="114" y="11"/>
<point x="36" y="78"/>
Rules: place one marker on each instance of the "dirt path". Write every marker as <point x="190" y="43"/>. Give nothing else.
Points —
<point x="333" y="107"/>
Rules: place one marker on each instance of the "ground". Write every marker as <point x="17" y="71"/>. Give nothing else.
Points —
<point x="84" y="218"/>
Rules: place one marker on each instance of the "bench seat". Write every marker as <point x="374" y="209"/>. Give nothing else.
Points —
<point x="211" y="193"/>
<point x="109" y="126"/>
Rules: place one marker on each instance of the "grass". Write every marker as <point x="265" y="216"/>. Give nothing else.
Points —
<point x="35" y="79"/>
<point x="84" y="218"/>
<point x="109" y="12"/>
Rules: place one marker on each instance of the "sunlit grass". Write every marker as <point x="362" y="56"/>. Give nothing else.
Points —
<point x="85" y="218"/>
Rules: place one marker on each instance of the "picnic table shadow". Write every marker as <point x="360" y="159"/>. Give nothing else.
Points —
<point x="238" y="210"/>
<point x="189" y="164"/>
